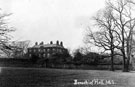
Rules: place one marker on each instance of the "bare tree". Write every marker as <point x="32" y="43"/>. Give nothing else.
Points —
<point x="4" y="33"/>
<point x="106" y="36"/>
<point x="115" y="29"/>
<point x="124" y="19"/>
<point x="19" y="48"/>
<point x="84" y="49"/>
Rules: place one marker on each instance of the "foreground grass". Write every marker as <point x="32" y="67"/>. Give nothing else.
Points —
<point x="34" y="77"/>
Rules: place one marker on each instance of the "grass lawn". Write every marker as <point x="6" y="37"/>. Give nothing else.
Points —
<point x="41" y="77"/>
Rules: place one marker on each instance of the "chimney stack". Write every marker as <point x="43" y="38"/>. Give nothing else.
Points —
<point x="57" y="42"/>
<point x="51" y="42"/>
<point x="61" y="43"/>
<point x="36" y="43"/>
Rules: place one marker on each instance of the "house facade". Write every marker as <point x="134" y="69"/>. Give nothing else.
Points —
<point x="46" y="50"/>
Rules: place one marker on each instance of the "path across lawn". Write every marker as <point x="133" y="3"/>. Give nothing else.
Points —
<point x="41" y="77"/>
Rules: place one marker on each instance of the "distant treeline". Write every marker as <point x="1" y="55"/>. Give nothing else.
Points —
<point x="78" y="59"/>
<point x="90" y="60"/>
<point x="12" y="62"/>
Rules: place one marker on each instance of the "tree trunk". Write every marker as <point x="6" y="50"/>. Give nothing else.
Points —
<point x="129" y="41"/>
<point x="128" y="57"/>
<point x="128" y="63"/>
<point x="125" y="69"/>
<point x="123" y="51"/>
<point x="112" y="56"/>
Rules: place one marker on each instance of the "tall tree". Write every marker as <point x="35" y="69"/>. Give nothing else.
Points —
<point x="105" y="37"/>
<point x="19" y="48"/>
<point x="5" y="29"/>
<point x="124" y="19"/>
<point x="78" y="57"/>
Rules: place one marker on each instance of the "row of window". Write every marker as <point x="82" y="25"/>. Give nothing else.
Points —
<point x="45" y="50"/>
<point x="39" y="55"/>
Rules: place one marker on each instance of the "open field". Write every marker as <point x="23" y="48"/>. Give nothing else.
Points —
<point x="41" y="77"/>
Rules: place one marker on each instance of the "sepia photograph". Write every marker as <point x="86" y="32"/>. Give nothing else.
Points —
<point x="67" y="43"/>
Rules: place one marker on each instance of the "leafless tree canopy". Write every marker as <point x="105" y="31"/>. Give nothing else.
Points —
<point x="115" y="25"/>
<point x="4" y="33"/>
<point x="19" y="48"/>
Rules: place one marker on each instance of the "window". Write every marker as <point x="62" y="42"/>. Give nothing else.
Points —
<point x="29" y="55"/>
<point x="39" y="50"/>
<point x="48" y="55"/>
<point x="54" y="49"/>
<point x="44" y="55"/>
<point x="44" y="50"/>
<point x="39" y="55"/>
<point x="60" y="50"/>
<point x="29" y="50"/>
<point x="48" y="50"/>
<point x="34" y="50"/>
<point x="57" y="50"/>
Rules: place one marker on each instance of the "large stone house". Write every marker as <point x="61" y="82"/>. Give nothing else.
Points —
<point x="46" y="50"/>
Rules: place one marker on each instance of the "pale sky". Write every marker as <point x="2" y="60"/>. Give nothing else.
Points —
<point x="51" y="20"/>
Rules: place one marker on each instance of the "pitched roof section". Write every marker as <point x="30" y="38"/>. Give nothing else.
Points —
<point x="47" y="45"/>
<point x="57" y="44"/>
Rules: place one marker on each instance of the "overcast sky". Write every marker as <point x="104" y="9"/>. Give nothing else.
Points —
<point x="51" y="20"/>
